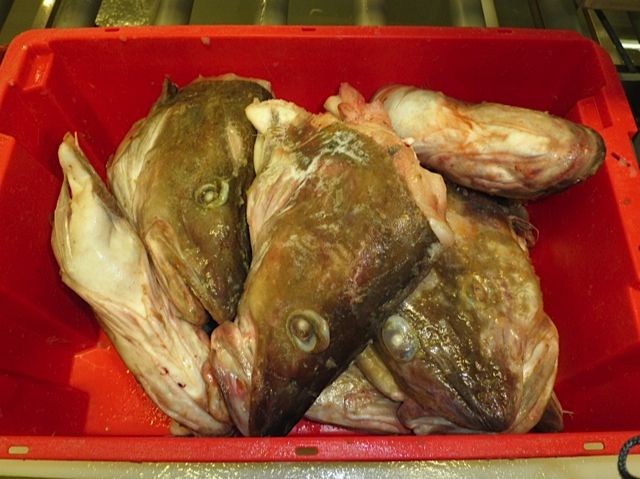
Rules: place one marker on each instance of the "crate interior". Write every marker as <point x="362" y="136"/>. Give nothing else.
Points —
<point x="58" y="373"/>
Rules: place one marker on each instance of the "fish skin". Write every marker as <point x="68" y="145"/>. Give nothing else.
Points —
<point x="356" y="401"/>
<point x="498" y="149"/>
<point x="551" y="420"/>
<point x="418" y="420"/>
<point x="181" y="174"/>
<point x="472" y="344"/>
<point x="352" y="401"/>
<point x="329" y="246"/>
<point x="103" y="260"/>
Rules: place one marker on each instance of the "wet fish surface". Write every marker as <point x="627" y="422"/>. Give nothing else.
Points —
<point x="472" y="345"/>
<point x="181" y="175"/>
<point x="353" y="402"/>
<point x="461" y="328"/>
<point x="332" y="256"/>
<point x="104" y="261"/>
<point x="498" y="149"/>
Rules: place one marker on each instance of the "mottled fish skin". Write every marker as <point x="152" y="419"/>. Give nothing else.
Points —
<point x="332" y="256"/>
<point x="472" y="344"/>
<point x="421" y="423"/>
<point x="104" y="261"/>
<point x="351" y="401"/>
<point x="498" y="149"/>
<point x="181" y="174"/>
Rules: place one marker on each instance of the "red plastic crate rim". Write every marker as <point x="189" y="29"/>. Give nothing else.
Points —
<point x="64" y="392"/>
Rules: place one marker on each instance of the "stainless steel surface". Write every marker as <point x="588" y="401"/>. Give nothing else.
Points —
<point x="565" y="468"/>
<point x="20" y="15"/>
<point x="24" y="15"/>
<point x="467" y="13"/>
<point x="562" y="14"/>
<point x="272" y="12"/>
<point x="489" y="12"/>
<point x="634" y="19"/>
<point x="615" y="40"/>
<point x="369" y="12"/>
<point x="218" y="12"/>
<point x="536" y="13"/>
<point x="626" y="5"/>
<point x="173" y="12"/>
<point x="321" y="12"/>
<point x="76" y="13"/>
<point x="127" y="13"/>
<point x="5" y="6"/>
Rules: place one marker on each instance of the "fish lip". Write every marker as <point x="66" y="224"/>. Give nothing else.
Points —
<point x="232" y="358"/>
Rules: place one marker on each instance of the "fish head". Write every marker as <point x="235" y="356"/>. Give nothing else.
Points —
<point x="459" y="342"/>
<point x="290" y="338"/>
<point x="190" y="194"/>
<point x="331" y="255"/>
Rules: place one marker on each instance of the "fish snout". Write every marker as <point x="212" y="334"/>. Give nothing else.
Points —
<point x="232" y="361"/>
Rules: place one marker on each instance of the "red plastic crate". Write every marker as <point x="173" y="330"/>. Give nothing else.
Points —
<point x="65" y="394"/>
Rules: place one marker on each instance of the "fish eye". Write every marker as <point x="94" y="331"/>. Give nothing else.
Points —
<point x="212" y="194"/>
<point x="399" y="339"/>
<point x="308" y="331"/>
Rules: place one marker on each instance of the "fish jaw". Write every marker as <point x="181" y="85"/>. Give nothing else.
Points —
<point x="159" y="239"/>
<point x="551" y="420"/>
<point x="498" y="149"/>
<point x="164" y="353"/>
<point x="232" y="362"/>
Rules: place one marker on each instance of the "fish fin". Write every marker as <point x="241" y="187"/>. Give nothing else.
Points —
<point x="169" y="90"/>
<point x="349" y="105"/>
<point x="539" y="373"/>
<point x="551" y="420"/>
<point x="161" y="244"/>
<point x="430" y="194"/>
<point x="105" y="263"/>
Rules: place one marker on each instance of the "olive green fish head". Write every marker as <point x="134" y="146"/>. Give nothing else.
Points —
<point x="307" y="330"/>
<point x="191" y="164"/>
<point x="331" y="253"/>
<point x="459" y="343"/>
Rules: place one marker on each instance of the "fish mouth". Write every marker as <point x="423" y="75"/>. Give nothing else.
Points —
<point x="232" y="359"/>
<point x="260" y="401"/>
